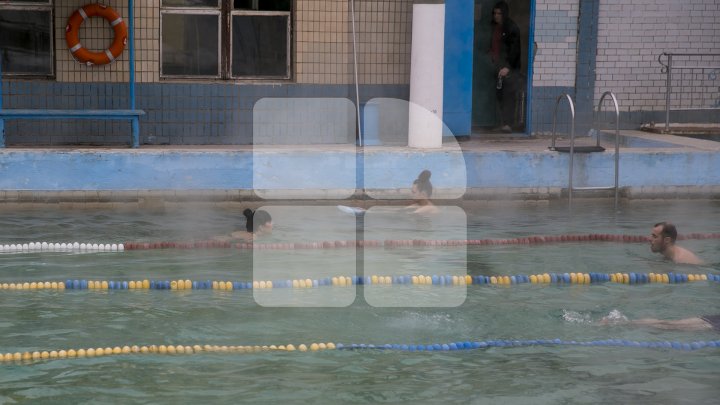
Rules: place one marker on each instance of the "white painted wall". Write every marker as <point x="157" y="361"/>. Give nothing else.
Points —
<point x="556" y="27"/>
<point x="631" y="35"/>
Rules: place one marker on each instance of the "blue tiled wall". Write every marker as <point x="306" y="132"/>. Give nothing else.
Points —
<point x="47" y="170"/>
<point x="543" y="106"/>
<point x="176" y="113"/>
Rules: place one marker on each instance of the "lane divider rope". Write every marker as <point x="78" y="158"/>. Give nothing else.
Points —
<point x="389" y="243"/>
<point x="347" y="281"/>
<point x="61" y="247"/>
<point x="399" y="243"/>
<point x="29" y="357"/>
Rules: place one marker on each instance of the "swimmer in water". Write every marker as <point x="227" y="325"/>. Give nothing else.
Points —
<point x="662" y="240"/>
<point x="258" y="223"/>
<point x="422" y="191"/>
<point x="696" y="323"/>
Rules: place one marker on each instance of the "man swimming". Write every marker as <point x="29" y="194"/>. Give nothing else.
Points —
<point x="662" y="240"/>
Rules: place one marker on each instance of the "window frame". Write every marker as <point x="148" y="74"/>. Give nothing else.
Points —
<point x="288" y="50"/>
<point x="34" y="6"/>
<point x="226" y="12"/>
<point x="192" y="11"/>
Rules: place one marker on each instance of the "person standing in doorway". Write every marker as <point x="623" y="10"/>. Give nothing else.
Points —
<point x="504" y="52"/>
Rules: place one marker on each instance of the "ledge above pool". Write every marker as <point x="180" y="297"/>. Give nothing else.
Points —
<point x="651" y="166"/>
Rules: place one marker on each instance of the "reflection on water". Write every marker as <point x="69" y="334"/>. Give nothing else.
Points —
<point x="46" y="320"/>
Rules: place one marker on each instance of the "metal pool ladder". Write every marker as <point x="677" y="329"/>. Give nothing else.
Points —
<point x="597" y="148"/>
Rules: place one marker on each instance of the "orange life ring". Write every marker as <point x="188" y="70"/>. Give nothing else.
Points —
<point x="81" y="54"/>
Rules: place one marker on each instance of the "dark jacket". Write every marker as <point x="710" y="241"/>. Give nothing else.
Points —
<point x="510" y="52"/>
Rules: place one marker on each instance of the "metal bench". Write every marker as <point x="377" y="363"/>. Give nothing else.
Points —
<point x="41" y="114"/>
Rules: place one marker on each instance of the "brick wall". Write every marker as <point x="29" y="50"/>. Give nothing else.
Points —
<point x="554" y="67"/>
<point x="322" y="36"/>
<point x="556" y="26"/>
<point x="631" y="35"/>
<point x="211" y="111"/>
<point x="325" y="41"/>
<point x="95" y="34"/>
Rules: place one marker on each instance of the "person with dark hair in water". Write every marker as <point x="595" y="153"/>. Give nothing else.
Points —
<point x="422" y="191"/>
<point x="505" y="49"/>
<point x="257" y="223"/>
<point x="662" y="240"/>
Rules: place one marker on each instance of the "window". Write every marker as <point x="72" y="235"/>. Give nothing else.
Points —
<point x="226" y="39"/>
<point x="190" y="44"/>
<point x="26" y="40"/>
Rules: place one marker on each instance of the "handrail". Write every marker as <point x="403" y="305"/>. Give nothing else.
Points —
<point x="572" y="142"/>
<point x="617" y="138"/>
<point x="668" y="67"/>
<point x="572" y="137"/>
<point x="572" y="111"/>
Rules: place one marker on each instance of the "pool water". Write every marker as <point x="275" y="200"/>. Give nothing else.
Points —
<point x="52" y="320"/>
<point x="707" y="137"/>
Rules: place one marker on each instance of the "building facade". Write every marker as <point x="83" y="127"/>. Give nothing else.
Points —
<point x="201" y="66"/>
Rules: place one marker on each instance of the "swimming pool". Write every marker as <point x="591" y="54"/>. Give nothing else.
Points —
<point x="40" y="320"/>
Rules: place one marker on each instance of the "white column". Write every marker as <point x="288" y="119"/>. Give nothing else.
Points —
<point x="426" y="76"/>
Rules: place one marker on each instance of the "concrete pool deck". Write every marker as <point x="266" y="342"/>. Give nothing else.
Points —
<point x="484" y="167"/>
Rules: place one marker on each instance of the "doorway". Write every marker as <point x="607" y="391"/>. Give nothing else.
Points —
<point x="485" y="107"/>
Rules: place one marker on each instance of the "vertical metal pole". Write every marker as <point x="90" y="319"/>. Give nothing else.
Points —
<point x="572" y="152"/>
<point x="357" y="87"/>
<point x="617" y="149"/>
<point x="617" y="138"/>
<point x="667" y="94"/>
<point x="131" y="40"/>
<point x="557" y="103"/>
<point x="136" y="131"/>
<point x="2" y="121"/>
<point x="531" y="61"/>
<point x="572" y="140"/>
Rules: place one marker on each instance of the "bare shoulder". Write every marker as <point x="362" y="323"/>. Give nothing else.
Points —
<point x="685" y="256"/>
<point x="246" y="236"/>
<point x="426" y="209"/>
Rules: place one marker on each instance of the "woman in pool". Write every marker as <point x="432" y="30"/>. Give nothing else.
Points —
<point x="421" y="192"/>
<point x="258" y="223"/>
